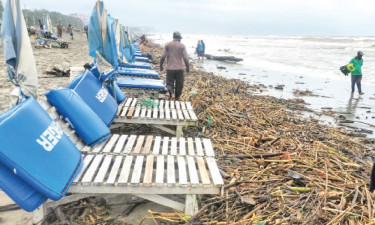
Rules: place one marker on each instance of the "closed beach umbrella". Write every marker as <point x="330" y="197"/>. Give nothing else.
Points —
<point x="120" y="42"/>
<point x="48" y="25"/>
<point x="18" y="53"/>
<point x="101" y="35"/>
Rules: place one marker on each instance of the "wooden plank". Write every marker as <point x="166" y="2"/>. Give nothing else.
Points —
<point x="161" y="106"/>
<point x="183" y="105"/>
<point x="191" y="146"/>
<point x="130" y="112"/>
<point x="171" y="176"/>
<point x="194" y="179"/>
<point x="137" y="112"/>
<point x="137" y="171"/>
<point x="124" y="111"/>
<point x="86" y="148"/>
<point x="198" y="146"/>
<point x="125" y="170"/>
<point x="130" y="144"/>
<point x="186" y="114"/>
<point x="111" y="143"/>
<point x="91" y="171"/>
<point x="165" y="146"/>
<point x="182" y="146"/>
<point x="178" y="105"/>
<point x="192" y="115"/>
<point x="188" y="106"/>
<point x="174" y="146"/>
<point x="120" y="108"/>
<point x="157" y="143"/>
<point x="114" y="171"/>
<point x="128" y="102"/>
<point x="45" y="105"/>
<point x="134" y="102"/>
<point x="103" y="170"/>
<point x="203" y="171"/>
<point x="172" y="105"/>
<point x="147" y="180"/>
<point x="214" y="170"/>
<point x="182" y="175"/>
<point x="180" y="115"/>
<point x="159" y="180"/>
<point x="139" y="144"/>
<point x="99" y="146"/>
<point x="147" y="148"/>
<point x="149" y="113"/>
<point x="120" y="144"/>
<point x="174" y="114"/>
<point x="155" y="113"/>
<point x="208" y="147"/>
<point x="161" y="113"/>
<point x="143" y="113"/>
<point x="166" y="105"/>
<point x="86" y="163"/>
<point x="167" y="114"/>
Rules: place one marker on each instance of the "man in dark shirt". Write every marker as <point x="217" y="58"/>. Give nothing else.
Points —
<point x="175" y="52"/>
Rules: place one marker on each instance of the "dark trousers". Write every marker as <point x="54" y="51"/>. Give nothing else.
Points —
<point x="356" y="80"/>
<point x="175" y="82"/>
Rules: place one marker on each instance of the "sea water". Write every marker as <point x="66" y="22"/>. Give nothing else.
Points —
<point x="298" y="62"/>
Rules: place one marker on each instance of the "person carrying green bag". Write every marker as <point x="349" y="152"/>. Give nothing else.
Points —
<point x="357" y="73"/>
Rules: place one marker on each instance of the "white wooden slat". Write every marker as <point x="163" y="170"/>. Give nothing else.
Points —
<point x="125" y="170"/>
<point x="167" y="114"/>
<point x="130" y="144"/>
<point x="182" y="175"/>
<point x="114" y="171"/>
<point x="155" y="113"/>
<point x="174" y="114"/>
<point x="128" y="102"/>
<point x="174" y="146"/>
<point x="192" y="115"/>
<point x="194" y="179"/>
<point x="120" y="108"/>
<point x="171" y="175"/>
<point x="183" y="105"/>
<point x="111" y="143"/>
<point x="103" y="170"/>
<point x="161" y="106"/>
<point x="149" y="168"/>
<point x="172" y="105"/>
<point x="190" y="146"/>
<point x="124" y="111"/>
<point x="165" y="146"/>
<point x="161" y="113"/>
<point x="214" y="170"/>
<point x="99" y="146"/>
<point x="86" y="148"/>
<point x="159" y="180"/>
<point x="45" y="105"/>
<point x="120" y="144"/>
<point x="157" y="146"/>
<point x="203" y="171"/>
<point x="198" y="146"/>
<point x="182" y="146"/>
<point x="80" y="145"/>
<point x="180" y="115"/>
<point x="188" y="106"/>
<point x="148" y="145"/>
<point x="86" y="163"/>
<point x="134" y="102"/>
<point x="149" y="113"/>
<point x="137" y="112"/>
<point x="208" y="147"/>
<point x="186" y="114"/>
<point x="137" y="171"/>
<point x="143" y="113"/>
<point x="91" y="171"/>
<point x="178" y="105"/>
<point x="166" y="105"/>
<point x="139" y="144"/>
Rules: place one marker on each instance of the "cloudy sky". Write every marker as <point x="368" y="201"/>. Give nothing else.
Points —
<point x="244" y="17"/>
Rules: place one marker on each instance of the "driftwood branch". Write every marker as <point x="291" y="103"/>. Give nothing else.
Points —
<point x="223" y="58"/>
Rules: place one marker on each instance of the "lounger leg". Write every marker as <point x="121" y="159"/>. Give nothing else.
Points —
<point x="163" y="201"/>
<point x="39" y="214"/>
<point x="179" y="132"/>
<point x="191" y="205"/>
<point x="163" y="128"/>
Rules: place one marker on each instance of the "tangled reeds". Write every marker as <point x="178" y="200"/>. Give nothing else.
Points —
<point x="278" y="167"/>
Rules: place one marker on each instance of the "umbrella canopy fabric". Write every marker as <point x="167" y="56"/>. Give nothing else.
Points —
<point x="48" y="25"/>
<point x="18" y="53"/>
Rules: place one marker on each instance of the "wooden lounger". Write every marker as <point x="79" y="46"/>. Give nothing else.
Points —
<point x="158" y="113"/>
<point x="151" y="167"/>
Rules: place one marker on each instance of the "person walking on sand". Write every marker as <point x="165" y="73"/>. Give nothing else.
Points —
<point x="200" y="50"/>
<point x="175" y="52"/>
<point x="145" y="50"/>
<point x="86" y="29"/>
<point x="70" y="30"/>
<point x="357" y="73"/>
<point x="59" y="30"/>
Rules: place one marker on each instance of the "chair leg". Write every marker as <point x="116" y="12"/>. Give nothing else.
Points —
<point x="39" y="214"/>
<point x="191" y="204"/>
<point x="179" y="132"/>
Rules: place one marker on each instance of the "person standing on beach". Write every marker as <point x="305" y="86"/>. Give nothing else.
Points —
<point x="175" y="52"/>
<point x="70" y="30"/>
<point x="200" y="50"/>
<point x="59" y="30"/>
<point x="145" y="50"/>
<point x="86" y="29"/>
<point x="357" y="73"/>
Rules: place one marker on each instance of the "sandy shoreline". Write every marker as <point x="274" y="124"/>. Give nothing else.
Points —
<point x="244" y="124"/>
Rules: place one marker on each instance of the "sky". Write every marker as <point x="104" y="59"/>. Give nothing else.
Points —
<point x="233" y="17"/>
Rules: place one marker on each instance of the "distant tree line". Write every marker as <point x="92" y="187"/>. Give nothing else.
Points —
<point x="32" y="17"/>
